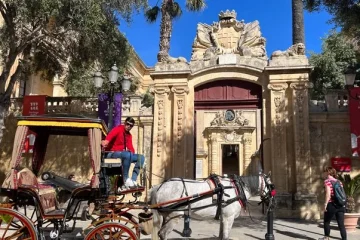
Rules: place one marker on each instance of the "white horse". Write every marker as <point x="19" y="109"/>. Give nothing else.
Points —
<point x="176" y="188"/>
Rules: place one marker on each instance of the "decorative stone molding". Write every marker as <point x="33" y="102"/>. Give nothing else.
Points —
<point x="241" y="135"/>
<point x="229" y="118"/>
<point x="180" y="90"/>
<point x="179" y="131"/>
<point x="278" y="130"/>
<point x="160" y="127"/>
<point x="180" y="118"/>
<point x="146" y="111"/>
<point x="160" y="90"/>
<point x="277" y="86"/>
<point x="230" y="137"/>
<point x="228" y="36"/>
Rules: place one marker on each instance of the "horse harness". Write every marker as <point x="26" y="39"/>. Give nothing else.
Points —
<point x="215" y="183"/>
<point x="218" y="193"/>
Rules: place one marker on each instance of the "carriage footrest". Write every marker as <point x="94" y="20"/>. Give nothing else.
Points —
<point x="131" y="190"/>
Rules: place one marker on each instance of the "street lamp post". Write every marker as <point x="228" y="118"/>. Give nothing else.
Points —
<point x="113" y="78"/>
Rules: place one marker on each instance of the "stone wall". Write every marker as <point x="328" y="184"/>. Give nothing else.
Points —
<point x="330" y="137"/>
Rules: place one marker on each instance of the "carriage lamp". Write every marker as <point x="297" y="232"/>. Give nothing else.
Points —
<point x="113" y="77"/>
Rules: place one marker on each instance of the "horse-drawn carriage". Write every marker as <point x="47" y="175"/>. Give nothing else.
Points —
<point x="32" y="202"/>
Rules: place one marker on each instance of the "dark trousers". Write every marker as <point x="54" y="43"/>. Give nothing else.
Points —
<point x="331" y="211"/>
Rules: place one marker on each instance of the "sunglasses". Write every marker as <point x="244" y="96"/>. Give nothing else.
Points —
<point x="129" y="124"/>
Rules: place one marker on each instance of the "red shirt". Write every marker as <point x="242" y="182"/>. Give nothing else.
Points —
<point x="116" y="139"/>
<point x="327" y="183"/>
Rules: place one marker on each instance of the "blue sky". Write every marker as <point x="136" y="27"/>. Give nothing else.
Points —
<point x="274" y="17"/>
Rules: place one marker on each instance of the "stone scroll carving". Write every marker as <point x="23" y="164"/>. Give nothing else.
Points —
<point x="180" y="104"/>
<point x="161" y="122"/>
<point x="222" y="118"/>
<point x="228" y="36"/>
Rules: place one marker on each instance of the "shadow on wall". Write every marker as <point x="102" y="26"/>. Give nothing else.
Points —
<point x="329" y="137"/>
<point x="6" y="145"/>
<point x="68" y="155"/>
<point x="65" y="155"/>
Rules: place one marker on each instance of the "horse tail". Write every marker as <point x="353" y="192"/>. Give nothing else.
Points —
<point x="157" y="217"/>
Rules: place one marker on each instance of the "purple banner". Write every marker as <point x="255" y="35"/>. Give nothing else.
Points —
<point x="103" y="108"/>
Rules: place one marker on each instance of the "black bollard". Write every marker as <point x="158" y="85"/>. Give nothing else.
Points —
<point x="187" y="230"/>
<point x="270" y="223"/>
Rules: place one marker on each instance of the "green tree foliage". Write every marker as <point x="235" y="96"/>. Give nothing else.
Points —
<point x="169" y="11"/>
<point x="346" y="13"/>
<point x="329" y="66"/>
<point x="62" y="37"/>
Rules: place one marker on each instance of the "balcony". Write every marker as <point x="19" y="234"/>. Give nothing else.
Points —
<point x="83" y="106"/>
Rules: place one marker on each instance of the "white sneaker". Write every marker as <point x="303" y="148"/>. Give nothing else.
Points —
<point x="135" y="183"/>
<point x="129" y="183"/>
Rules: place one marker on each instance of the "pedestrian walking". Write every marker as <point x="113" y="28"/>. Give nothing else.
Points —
<point x="332" y="209"/>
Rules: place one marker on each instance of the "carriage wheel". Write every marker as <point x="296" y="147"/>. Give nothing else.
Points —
<point x="126" y="219"/>
<point x="111" y="231"/>
<point x="14" y="225"/>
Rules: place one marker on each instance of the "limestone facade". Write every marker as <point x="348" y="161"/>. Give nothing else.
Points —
<point x="286" y="133"/>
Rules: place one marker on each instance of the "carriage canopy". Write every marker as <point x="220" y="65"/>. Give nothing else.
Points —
<point x="56" y="124"/>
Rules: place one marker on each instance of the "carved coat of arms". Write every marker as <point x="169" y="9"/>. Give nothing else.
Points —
<point x="228" y="36"/>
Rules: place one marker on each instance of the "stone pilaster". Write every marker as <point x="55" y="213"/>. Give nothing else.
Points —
<point x="147" y="123"/>
<point x="182" y="166"/>
<point x="300" y="118"/>
<point x="162" y="127"/>
<point x="214" y="161"/>
<point x="247" y="141"/>
<point x="279" y="164"/>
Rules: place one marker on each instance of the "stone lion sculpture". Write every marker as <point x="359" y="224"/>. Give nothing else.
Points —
<point x="176" y="60"/>
<point x="294" y="50"/>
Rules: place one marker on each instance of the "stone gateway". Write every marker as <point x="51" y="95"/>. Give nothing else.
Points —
<point x="223" y="104"/>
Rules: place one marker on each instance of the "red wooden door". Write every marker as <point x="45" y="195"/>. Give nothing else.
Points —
<point x="228" y="94"/>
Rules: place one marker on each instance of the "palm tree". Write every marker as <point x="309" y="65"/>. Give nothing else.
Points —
<point x="298" y="21"/>
<point x="351" y="188"/>
<point x="170" y="10"/>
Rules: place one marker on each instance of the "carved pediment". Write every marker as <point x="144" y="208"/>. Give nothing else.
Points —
<point x="229" y="118"/>
<point x="228" y="36"/>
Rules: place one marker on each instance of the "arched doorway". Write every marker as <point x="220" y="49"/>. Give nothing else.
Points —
<point x="228" y="122"/>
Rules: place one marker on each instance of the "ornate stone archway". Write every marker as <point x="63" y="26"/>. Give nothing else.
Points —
<point x="240" y="55"/>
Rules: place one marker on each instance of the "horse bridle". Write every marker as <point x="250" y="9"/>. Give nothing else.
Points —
<point x="267" y="189"/>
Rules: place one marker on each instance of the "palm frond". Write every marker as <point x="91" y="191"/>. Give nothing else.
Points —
<point x="152" y="14"/>
<point x="351" y="185"/>
<point x="195" y="5"/>
<point x="174" y="9"/>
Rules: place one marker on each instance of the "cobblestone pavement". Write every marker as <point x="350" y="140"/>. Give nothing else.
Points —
<point x="246" y="228"/>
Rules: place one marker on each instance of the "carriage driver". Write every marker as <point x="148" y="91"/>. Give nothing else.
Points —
<point x="119" y="141"/>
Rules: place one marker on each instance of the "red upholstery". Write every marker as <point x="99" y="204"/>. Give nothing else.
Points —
<point x="47" y="194"/>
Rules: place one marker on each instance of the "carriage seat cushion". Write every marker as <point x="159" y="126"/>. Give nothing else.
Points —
<point x="46" y="193"/>
<point x="112" y="160"/>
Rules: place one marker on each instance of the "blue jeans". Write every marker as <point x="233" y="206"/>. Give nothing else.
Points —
<point x="127" y="158"/>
